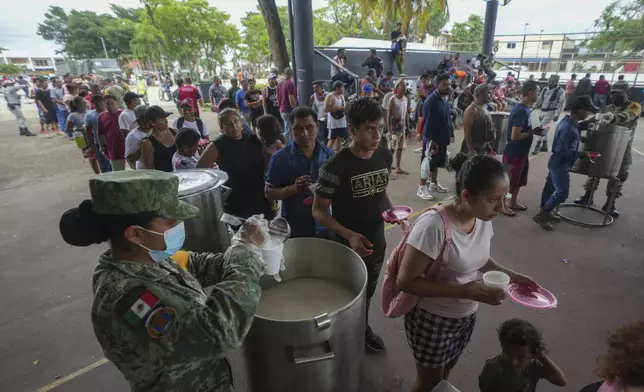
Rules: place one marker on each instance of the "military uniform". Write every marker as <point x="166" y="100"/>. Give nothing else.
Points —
<point x="626" y="116"/>
<point x="154" y="321"/>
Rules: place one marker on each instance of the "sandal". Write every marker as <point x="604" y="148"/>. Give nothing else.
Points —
<point x="519" y="207"/>
<point x="401" y="171"/>
<point x="509" y="212"/>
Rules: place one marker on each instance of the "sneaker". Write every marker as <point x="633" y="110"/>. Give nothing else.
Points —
<point x="25" y="132"/>
<point x="542" y="219"/>
<point x="372" y="341"/>
<point x="584" y="200"/>
<point x="536" y="148"/>
<point x="418" y="150"/>
<point x="544" y="146"/>
<point x="436" y="187"/>
<point x="423" y="193"/>
<point x="613" y="212"/>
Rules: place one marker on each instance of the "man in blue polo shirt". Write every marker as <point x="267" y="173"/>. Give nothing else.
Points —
<point x="294" y="168"/>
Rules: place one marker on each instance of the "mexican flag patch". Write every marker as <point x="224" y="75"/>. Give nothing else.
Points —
<point x="140" y="308"/>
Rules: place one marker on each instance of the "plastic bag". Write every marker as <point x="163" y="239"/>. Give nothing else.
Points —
<point x="252" y="235"/>
<point x="424" y="167"/>
<point x="444" y="386"/>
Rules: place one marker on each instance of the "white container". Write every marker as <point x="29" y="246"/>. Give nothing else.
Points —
<point x="444" y="386"/>
<point x="496" y="279"/>
<point x="272" y="258"/>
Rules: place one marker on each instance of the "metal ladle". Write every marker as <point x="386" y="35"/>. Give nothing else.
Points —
<point x="278" y="228"/>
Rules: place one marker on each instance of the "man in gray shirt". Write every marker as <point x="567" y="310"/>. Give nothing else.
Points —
<point x="13" y="103"/>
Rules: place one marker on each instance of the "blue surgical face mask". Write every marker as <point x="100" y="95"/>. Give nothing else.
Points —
<point x="173" y="238"/>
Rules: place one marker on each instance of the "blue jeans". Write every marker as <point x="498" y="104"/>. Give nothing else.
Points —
<point x="287" y="127"/>
<point x="62" y="119"/>
<point x="556" y="189"/>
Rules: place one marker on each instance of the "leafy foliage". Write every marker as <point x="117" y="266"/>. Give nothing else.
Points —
<point x="467" y="36"/>
<point x="11" y="69"/>
<point x="621" y="26"/>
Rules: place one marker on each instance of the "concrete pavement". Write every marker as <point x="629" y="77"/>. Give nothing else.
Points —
<point x="45" y="328"/>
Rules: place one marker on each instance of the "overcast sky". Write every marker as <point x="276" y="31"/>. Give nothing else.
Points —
<point x="18" y="19"/>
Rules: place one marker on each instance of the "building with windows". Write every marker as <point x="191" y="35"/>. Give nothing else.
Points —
<point x="33" y="63"/>
<point x="537" y="52"/>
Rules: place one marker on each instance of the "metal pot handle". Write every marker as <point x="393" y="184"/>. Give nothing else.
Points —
<point x="322" y="322"/>
<point x="316" y="358"/>
<point x="225" y="192"/>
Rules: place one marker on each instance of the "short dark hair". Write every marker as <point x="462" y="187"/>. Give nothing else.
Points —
<point x="227" y="103"/>
<point x="442" y="77"/>
<point x="186" y="137"/>
<point x="620" y="77"/>
<point x="362" y="110"/>
<point x="477" y="174"/>
<point x="372" y="51"/>
<point x="108" y="96"/>
<point x="340" y="50"/>
<point x="270" y="129"/>
<point x="302" y="112"/>
<point x="529" y="86"/>
<point x="96" y="99"/>
<point x="179" y="82"/>
<point x="233" y="80"/>
<point x="521" y="333"/>
<point x="390" y="73"/>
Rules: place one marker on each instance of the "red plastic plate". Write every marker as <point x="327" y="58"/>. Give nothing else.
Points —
<point x="397" y="214"/>
<point x="531" y="297"/>
<point x="591" y="154"/>
<point x="308" y="201"/>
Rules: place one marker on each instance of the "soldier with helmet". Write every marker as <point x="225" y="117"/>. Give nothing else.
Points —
<point x="625" y="113"/>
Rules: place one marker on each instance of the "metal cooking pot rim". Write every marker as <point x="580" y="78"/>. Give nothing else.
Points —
<point x="349" y="304"/>
<point x="193" y="181"/>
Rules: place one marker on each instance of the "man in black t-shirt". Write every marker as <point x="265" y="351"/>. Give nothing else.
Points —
<point x="374" y="62"/>
<point x="254" y="102"/>
<point x="354" y="184"/>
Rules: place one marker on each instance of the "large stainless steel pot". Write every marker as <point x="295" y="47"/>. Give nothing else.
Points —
<point x="204" y="188"/>
<point x="321" y="354"/>
<point x="500" y="120"/>
<point x="610" y="141"/>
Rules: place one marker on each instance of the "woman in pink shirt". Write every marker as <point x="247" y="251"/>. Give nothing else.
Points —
<point x="498" y="98"/>
<point x="622" y="368"/>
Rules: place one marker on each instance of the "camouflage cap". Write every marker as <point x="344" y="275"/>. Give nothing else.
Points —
<point x="135" y="191"/>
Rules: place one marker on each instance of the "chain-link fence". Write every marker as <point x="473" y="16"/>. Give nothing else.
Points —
<point x="565" y="54"/>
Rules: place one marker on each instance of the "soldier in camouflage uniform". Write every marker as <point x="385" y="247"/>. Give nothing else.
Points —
<point x="152" y="317"/>
<point x="625" y="113"/>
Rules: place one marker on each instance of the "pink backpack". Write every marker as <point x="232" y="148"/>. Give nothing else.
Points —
<point x="396" y="303"/>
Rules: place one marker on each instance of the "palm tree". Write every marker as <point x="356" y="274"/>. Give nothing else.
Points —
<point x="415" y="15"/>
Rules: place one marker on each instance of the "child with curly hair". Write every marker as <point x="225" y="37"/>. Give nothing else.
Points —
<point x="622" y="368"/>
<point x="522" y="362"/>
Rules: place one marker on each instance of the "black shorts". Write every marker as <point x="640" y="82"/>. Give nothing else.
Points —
<point x="438" y="158"/>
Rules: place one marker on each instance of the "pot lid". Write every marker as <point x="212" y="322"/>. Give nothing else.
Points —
<point x="195" y="181"/>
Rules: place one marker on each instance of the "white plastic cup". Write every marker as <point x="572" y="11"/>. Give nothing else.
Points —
<point x="496" y="279"/>
<point x="272" y="258"/>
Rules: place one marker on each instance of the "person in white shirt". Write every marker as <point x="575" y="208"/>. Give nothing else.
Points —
<point x="134" y="138"/>
<point x="439" y="328"/>
<point x="127" y="119"/>
<point x="188" y="119"/>
<point x="397" y="116"/>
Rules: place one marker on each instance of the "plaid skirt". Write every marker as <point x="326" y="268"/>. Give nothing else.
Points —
<point x="437" y="340"/>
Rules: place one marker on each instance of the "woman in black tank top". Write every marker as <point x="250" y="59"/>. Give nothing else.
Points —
<point x="158" y="147"/>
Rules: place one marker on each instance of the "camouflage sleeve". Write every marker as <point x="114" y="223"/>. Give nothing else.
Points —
<point x="631" y="113"/>
<point x="206" y="267"/>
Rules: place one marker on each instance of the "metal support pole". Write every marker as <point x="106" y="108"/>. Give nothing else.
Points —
<point x="491" y="10"/>
<point x="638" y="73"/>
<point x="104" y="48"/>
<point x="291" y="30"/>
<point x="304" y="48"/>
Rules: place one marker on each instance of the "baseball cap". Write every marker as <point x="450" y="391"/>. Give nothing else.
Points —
<point x="155" y="112"/>
<point x="272" y="76"/>
<point x="130" y="96"/>
<point x="584" y="102"/>
<point x="620" y="85"/>
<point x="367" y="88"/>
<point x="337" y="84"/>
<point x="135" y="191"/>
<point x="140" y="110"/>
<point x="187" y="102"/>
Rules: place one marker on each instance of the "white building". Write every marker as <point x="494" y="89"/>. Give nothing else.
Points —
<point x="44" y="63"/>
<point x="545" y="52"/>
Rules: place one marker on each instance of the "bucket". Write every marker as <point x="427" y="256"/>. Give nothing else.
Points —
<point x="308" y="332"/>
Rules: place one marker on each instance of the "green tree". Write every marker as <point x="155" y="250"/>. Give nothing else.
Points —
<point x="621" y="26"/>
<point x="11" y="69"/>
<point x="78" y="33"/>
<point x="467" y="36"/>
<point x="255" y="48"/>
<point x="417" y="16"/>
<point x="344" y="18"/>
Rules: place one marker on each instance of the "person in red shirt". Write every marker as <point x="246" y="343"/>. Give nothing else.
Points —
<point x="287" y="97"/>
<point x="188" y="91"/>
<point x="111" y="138"/>
<point x="602" y="89"/>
